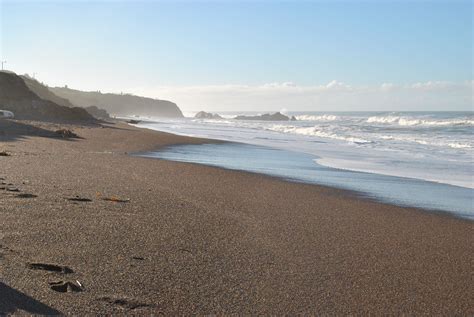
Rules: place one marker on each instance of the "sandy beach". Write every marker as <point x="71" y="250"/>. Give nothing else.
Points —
<point x="178" y="238"/>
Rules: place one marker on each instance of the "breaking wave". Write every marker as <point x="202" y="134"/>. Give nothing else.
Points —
<point x="427" y="141"/>
<point x="407" y="121"/>
<point x="314" y="131"/>
<point x="325" y="117"/>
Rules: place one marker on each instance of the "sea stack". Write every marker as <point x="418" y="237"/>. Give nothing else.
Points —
<point x="207" y="115"/>
<point x="277" y="116"/>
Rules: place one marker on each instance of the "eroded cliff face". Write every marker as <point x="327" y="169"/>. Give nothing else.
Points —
<point x="17" y="97"/>
<point x="45" y="93"/>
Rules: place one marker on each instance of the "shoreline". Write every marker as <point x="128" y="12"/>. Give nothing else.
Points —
<point x="341" y="150"/>
<point x="355" y="192"/>
<point x="199" y="239"/>
<point x="358" y="195"/>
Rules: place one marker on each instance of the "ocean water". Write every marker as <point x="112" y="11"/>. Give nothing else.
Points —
<point x="433" y="151"/>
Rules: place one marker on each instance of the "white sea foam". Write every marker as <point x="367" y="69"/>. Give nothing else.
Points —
<point x="325" y="117"/>
<point x="426" y="141"/>
<point x="315" y="131"/>
<point x="217" y="121"/>
<point x="429" y="146"/>
<point x="407" y="121"/>
<point x="383" y="119"/>
<point x="460" y="145"/>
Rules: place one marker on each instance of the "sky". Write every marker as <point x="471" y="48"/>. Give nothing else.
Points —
<point x="250" y="55"/>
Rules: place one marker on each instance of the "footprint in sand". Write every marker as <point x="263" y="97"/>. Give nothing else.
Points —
<point x="139" y="258"/>
<point x="125" y="303"/>
<point x="59" y="286"/>
<point x="3" y="250"/>
<point x="50" y="267"/>
<point x="79" y="199"/>
<point x="26" y="195"/>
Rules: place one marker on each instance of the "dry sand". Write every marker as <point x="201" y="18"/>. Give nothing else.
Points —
<point x="196" y="239"/>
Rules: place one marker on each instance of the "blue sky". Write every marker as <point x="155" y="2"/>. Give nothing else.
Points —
<point x="143" y="46"/>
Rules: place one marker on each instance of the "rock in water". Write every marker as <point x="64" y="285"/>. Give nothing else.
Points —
<point x="277" y="116"/>
<point x="207" y="115"/>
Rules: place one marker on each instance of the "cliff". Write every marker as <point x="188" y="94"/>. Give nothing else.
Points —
<point x="44" y="93"/>
<point x="120" y="104"/>
<point x="16" y="96"/>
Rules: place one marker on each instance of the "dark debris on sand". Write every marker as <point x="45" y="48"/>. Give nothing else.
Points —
<point x="66" y="287"/>
<point x="66" y="134"/>
<point x="79" y="199"/>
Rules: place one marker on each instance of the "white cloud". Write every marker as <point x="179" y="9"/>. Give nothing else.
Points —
<point x="336" y="85"/>
<point x="335" y="95"/>
<point x="434" y="85"/>
<point x="387" y="87"/>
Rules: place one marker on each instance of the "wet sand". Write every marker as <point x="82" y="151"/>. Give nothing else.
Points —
<point x="196" y="239"/>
